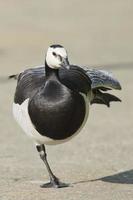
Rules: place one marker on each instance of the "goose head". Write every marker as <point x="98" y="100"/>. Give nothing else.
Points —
<point x="57" y="57"/>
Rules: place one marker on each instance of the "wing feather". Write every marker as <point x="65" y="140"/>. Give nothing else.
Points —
<point x="80" y="79"/>
<point x="102" y="79"/>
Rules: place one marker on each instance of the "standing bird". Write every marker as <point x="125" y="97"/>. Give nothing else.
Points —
<point x="51" y="102"/>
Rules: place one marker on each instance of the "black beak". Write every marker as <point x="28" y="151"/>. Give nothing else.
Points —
<point x="65" y="63"/>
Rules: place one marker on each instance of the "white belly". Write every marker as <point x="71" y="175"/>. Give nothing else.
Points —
<point x="21" y="115"/>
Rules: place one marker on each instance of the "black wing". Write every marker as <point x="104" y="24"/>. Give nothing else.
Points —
<point x="76" y="79"/>
<point x="32" y="79"/>
<point x="29" y="83"/>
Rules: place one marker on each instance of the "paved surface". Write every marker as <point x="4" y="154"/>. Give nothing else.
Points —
<point x="98" y="162"/>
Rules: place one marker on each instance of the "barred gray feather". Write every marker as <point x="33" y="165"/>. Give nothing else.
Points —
<point x="102" y="78"/>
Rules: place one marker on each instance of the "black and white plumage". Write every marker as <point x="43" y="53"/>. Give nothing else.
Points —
<point x="52" y="102"/>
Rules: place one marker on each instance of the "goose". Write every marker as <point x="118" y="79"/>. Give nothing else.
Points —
<point x="52" y="102"/>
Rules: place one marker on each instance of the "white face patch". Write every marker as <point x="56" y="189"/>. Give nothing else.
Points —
<point x="52" y="57"/>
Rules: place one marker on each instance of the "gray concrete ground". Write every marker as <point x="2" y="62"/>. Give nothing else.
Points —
<point x="98" y="162"/>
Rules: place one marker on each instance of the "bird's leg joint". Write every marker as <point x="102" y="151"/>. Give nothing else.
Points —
<point x="42" y="151"/>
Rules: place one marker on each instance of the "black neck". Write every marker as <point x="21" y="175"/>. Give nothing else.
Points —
<point x="51" y="72"/>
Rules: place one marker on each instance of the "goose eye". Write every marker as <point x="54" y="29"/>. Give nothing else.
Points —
<point x="54" y="54"/>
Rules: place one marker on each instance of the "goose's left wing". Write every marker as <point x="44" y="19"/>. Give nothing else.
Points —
<point x="101" y="82"/>
<point x="102" y="79"/>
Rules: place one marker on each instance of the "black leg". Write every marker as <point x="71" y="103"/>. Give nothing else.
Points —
<point x="54" y="181"/>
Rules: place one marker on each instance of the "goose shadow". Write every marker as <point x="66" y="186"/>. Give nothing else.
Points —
<point x="125" y="177"/>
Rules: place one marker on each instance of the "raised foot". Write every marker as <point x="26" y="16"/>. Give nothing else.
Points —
<point x="54" y="184"/>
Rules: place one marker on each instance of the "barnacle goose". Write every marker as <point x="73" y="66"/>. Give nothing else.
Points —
<point x="52" y="102"/>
